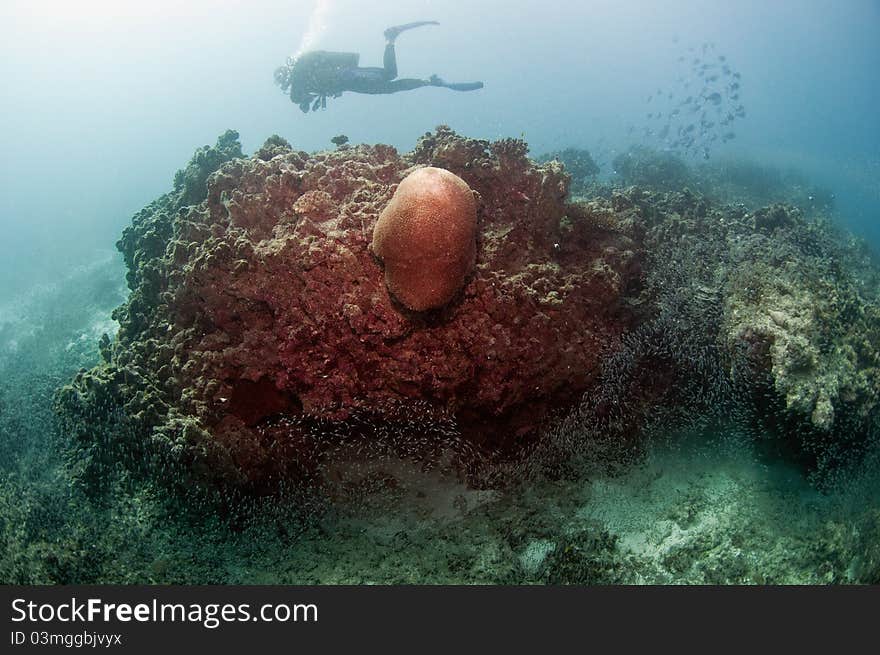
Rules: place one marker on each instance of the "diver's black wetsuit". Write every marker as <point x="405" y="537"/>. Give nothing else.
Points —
<point x="315" y="75"/>
<point x="380" y="80"/>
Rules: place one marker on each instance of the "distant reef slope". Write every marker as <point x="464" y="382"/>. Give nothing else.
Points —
<point x="260" y="344"/>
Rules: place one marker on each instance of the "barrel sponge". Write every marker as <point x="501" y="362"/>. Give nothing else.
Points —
<point x="426" y="238"/>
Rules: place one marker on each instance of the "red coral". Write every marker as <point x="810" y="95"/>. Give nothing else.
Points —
<point x="272" y="285"/>
<point x="426" y="238"/>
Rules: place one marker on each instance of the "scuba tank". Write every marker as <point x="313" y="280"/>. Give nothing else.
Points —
<point x="320" y="72"/>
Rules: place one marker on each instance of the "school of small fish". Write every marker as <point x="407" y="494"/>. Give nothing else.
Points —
<point x="696" y="113"/>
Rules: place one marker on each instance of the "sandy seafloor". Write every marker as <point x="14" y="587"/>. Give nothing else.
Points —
<point x="700" y="508"/>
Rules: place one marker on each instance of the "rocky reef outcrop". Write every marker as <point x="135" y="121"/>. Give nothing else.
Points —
<point x="764" y="321"/>
<point x="579" y="164"/>
<point x="726" y="180"/>
<point x="260" y="342"/>
<point x="261" y="299"/>
<point x="647" y="167"/>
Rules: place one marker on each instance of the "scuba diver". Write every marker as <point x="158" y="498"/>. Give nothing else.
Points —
<point x="313" y="76"/>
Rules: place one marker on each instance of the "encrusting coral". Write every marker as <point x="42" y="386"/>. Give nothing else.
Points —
<point x="425" y="238"/>
<point x="260" y="332"/>
<point x="264" y="300"/>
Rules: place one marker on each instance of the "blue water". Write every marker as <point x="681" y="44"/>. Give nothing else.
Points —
<point x="103" y="101"/>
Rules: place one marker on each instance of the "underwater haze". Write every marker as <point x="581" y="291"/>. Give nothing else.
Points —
<point x="103" y="100"/>
<point x="675" y="305"/>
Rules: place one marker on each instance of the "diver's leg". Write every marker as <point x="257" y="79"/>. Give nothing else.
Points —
<point x="374" y="81"/>
<point x="407" y="84"/>
<point x="463" y="86"/>
<point x="389" y="62"/>
<point x="391" y="86"/>
<point x="392" y="32"/>
<point x="455" y="86"/>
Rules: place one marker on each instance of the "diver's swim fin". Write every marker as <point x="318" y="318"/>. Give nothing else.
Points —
<point x="436" y="80"/>
<point x="464" y="86"/>
<point x="392" y="32"/>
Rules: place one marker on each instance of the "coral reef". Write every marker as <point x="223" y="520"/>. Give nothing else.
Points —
<point x="658" y="369"/>
<point x="651" y="168"/>
<point x="727" y="180"/>
<point x="261" y="299"/>
<point x="695" y="513"/>
<point x="426" y="238"/>
<point x="261" y="344"/>
<point x="795" y="305"/>
<point x="579" y="163"/>
<point x="755" y="185"/>
<point x="753" y="323"/>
